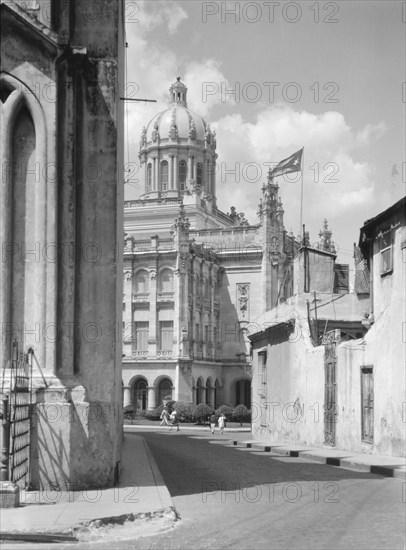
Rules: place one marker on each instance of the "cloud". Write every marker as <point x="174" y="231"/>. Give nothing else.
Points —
<point x="371" y="132"/>
<point x="207" y="84"/>
<point x="152" y="15"/>
<point x="336" y="184"/>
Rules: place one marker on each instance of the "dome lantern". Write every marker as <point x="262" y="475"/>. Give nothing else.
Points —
<point x="178" y="93"/>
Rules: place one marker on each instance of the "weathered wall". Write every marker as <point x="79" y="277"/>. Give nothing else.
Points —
<point x="73" y="323"/>
<point x="295" y="385"/>
<point x="292" y="404"/>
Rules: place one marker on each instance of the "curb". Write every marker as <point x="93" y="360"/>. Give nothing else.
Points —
<point x="345" y="461"/>
<point x="113" y="527"/>
<point x="161" y="487"/>
<point x="86" y="531"/>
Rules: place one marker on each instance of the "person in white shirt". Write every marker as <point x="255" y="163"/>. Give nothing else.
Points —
<point x="221" y="422"/>
<point x="174" y="420"/>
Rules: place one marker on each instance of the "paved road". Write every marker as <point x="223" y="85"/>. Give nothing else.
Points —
<point x="231" y="497"/>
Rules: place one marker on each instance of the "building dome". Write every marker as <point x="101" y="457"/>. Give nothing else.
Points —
<point x="177" y="122"/>
<point x="178" y="150"/>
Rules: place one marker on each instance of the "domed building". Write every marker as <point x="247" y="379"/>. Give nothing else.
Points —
<point x="178" y="166"/>
<point x="195" y="278"/>
<point x="177" y="147"/>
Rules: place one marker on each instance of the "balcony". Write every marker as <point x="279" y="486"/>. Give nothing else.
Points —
<point x="166" y="296"/>
<point x="164" y="354"/>
<point x="139" y="354"/>
<point x="141" y="297"/>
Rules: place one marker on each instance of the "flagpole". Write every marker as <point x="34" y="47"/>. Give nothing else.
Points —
<point x="301" y="195"/>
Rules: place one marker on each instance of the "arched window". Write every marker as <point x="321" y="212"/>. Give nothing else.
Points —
<point x="149" y="176"/>
<point x="164" y="391"/>
<point x="182" y="175"/>
<point x="199" y="173"/>
<point x="199" y="391"/>
<point x="209" y="393"/>
<point x="166" y="281"/>
<point x="164" y="175"/>
<point x="140" y="395"/>
<point x="141" y="283"/>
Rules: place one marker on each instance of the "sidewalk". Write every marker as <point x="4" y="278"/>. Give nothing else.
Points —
<point x="90" y="515"/>
<point x="375" y="464"/>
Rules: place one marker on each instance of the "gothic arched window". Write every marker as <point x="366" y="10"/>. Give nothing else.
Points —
<point x="182" y="175"/>
<point x="164" y="175"/>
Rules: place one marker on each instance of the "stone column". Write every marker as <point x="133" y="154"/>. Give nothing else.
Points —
<point x="152" y="341"/>
<point x="129" y="333"/>
<point x="189" y="168"/>
<point x="154" y="186"/>
<point x="151" y="398"/>
<point x="127" y="396"/>
<point x="158" y="174"/>
<point x="146" y="177"/>
<point x="213" y="277"/>
<point x="175" y="172"/>
<point x="194" y="167"/>
<point x="170" y="170"/>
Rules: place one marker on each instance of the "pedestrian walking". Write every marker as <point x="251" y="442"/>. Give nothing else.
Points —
<point x="213" y="419"/>
<point x="221" y="421"/>
<point x="164" y="417"/>
<point x="174" y="420"/>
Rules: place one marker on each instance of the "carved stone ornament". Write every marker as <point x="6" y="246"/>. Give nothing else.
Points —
<point x="143" y="141"/>
<point x="152" y="274"/>
<point x="243" y="295"/>
<point x="128" y="275"/>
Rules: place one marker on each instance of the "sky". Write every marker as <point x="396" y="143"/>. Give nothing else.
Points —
<point x="271" y="78"/>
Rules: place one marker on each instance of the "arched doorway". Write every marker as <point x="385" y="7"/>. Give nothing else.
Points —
<point x="217" y="394"/>
<point x="243" y="393"/>
<point x="140" y="395"/>
<point x="210" y="396"/>
<point x="164" y="391"/>
<point x="199" y="391"/>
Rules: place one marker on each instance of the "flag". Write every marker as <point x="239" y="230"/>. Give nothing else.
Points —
<point x="291" y="164"/>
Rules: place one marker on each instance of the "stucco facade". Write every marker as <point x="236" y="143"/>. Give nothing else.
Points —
<point x="334" y="373"/>
<point x="61" y="220"/>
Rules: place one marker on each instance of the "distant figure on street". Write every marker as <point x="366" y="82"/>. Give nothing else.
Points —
<point x="164" y="417"/>
<point x="174" y="420"/>
<point x="213" y="419"/>
<point x="222" y="419"/>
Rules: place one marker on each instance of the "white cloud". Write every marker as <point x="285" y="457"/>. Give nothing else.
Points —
<point x="336" y="184"/>
<point x="207" y="84"/>
<point x="152" y="15"/>
<point x="371" y="132"/>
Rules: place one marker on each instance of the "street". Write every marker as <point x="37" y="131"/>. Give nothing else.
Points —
<point x="233" y="497"/>
<point x="230" y="497"/>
